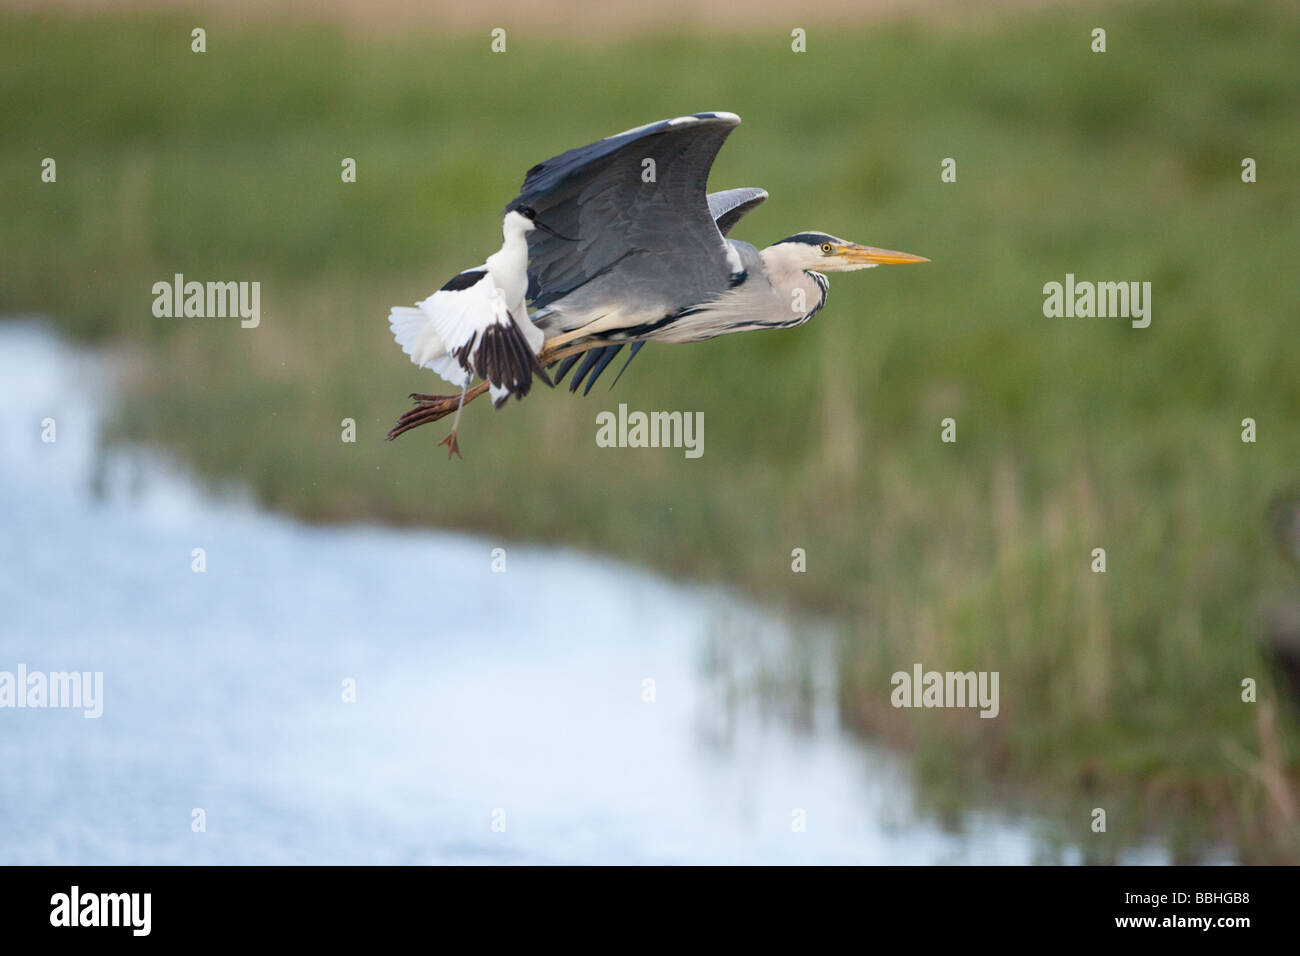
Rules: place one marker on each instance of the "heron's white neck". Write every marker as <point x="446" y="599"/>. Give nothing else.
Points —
<point x="790" y="269"/>
<point x="786" y="262"/>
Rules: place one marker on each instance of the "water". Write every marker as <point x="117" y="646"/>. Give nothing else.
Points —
<point x="481" y="697"/>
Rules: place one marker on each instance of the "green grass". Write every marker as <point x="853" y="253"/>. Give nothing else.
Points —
<point x="1118" y="690"/>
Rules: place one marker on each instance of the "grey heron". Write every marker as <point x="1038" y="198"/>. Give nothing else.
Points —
<point x="609" y="245"/>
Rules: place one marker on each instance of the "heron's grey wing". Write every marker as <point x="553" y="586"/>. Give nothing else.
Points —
<point x="728" y="206"/>
<point x="638" y="237"/>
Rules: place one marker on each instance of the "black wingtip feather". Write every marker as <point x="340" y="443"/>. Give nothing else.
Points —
<point x="589" y="361"/>
<point x="565" y="365"/>
<point x="608" y="356"/>
<point x="503" y="357"/>
<point x="631" y="354"/>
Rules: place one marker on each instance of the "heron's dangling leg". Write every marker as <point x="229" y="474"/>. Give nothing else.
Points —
<point x="551" y="354"/>
<point x="450" y="440"/>
<point x="557" y="342"/>
<point x="431" y="408"/>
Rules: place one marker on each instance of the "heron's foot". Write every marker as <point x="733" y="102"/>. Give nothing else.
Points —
<point x="452" y="446"/>
<point x="431" y="408"/>
<point x="438" y="406"/>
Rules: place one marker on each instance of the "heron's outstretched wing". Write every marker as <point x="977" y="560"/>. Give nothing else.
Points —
<point x="634" y="214"/>
<point x="728" y="206"/>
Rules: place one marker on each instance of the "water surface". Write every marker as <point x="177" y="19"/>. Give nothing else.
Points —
<point x="481" y="697"/>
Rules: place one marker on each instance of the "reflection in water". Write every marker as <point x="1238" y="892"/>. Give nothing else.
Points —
<point x="480" y="696"/>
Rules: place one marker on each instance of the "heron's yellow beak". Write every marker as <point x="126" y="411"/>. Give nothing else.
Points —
<point x="871" y="256"/>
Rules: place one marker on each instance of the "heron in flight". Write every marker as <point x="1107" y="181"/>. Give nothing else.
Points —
<point x="610" y="245"/>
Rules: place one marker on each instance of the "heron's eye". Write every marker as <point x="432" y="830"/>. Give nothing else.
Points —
<point x="827" y="248"/>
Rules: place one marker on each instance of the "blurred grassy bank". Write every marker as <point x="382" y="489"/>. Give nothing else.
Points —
<point x="1117" y="690"/>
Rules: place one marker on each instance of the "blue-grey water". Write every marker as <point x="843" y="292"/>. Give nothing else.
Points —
<point x="499" y="717"/>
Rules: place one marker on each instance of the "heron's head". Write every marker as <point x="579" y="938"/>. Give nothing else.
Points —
<point x="820" y="252"/>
